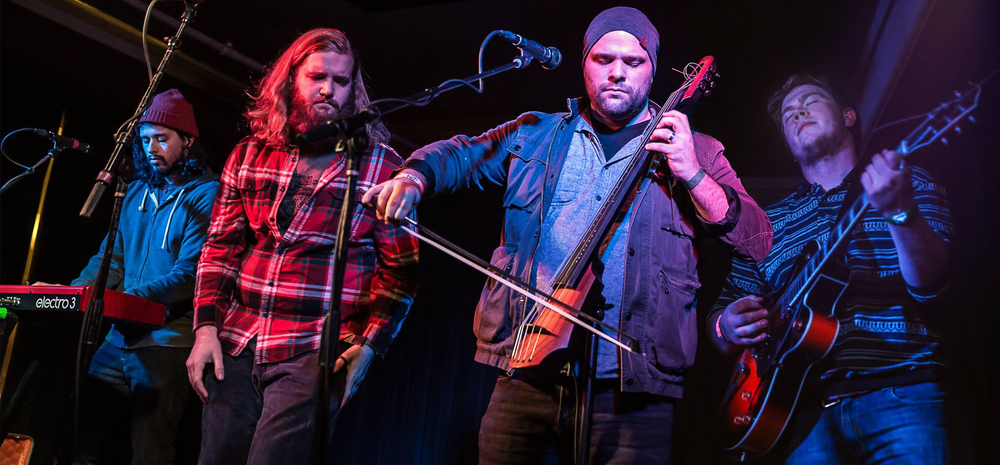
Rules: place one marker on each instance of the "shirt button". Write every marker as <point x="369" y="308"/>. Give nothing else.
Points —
<point x="270" y="283"/>
<point x="631" y="251"/>
<point x="628" y="316"/>
<point x="517" y="147"/>
<point x="536" y="233"/>
<point x="599" y="315"/>
<point x="666" y="290"/>
<point x="629" y="381"/>
<point x="598" y="197"/>
<point x="281" y="189"/>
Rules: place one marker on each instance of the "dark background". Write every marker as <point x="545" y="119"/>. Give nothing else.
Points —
<point x="423" y="403"/>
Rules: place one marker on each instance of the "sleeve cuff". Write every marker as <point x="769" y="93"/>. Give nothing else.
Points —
<point x="732" y="213"/>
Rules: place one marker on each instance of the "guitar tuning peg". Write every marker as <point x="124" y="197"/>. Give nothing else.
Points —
<point x="944" y="140"/>
<point x="708" y="93"/>
<point x="971" y="119"/>
<point x="958" y="130"/>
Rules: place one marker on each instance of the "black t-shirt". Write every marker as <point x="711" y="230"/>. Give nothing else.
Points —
<point x="612" y="141"/>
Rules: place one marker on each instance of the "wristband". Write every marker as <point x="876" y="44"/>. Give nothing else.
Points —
<point x="903" y="217"/>
<point x="718" y="330"/>
<point x="695" y="180"/>
<point x="414" y="179"/>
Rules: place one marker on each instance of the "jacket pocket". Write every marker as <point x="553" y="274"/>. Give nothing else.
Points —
<point x="525" y="180"/>
<point x="492" y="321"/>
<point x="675" y="322"/>
<point x="682" y="258"/>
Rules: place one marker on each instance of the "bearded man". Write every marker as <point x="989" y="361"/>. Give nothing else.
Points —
<point x="264" y="279"/>
<point x="557" y="169"/>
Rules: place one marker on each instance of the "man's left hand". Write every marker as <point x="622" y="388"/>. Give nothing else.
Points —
<point x="356" y="359"/>
<point x="887" y="183"/>
<point x="672" y="137"/>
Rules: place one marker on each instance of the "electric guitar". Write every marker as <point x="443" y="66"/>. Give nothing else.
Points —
<point x="768" y="377"/>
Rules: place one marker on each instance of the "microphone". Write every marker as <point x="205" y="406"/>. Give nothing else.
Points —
<point x="63" y="142"/>
<point x="549" y="57"/>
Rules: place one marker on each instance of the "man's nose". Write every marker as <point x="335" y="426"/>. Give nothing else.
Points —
<point x="325" y="88"/>
<point x="801" y="113"/>
<point x="617" y="72"/>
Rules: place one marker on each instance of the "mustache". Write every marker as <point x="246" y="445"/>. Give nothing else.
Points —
<point x="619" y="87"/>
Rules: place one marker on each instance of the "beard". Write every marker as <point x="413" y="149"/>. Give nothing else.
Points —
<point x="617" y="109"/>
<point x="304" y="115"/>
<point x="825" y="145"/>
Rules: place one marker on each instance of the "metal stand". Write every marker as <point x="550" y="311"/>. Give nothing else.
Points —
<point x="52" y="153"/>
<point x="353" y="132"/>
<point x="585" y="399"/>
<point x="127" y="131"/>
<point x="355" y="147"/>
<point x="95" y="308"/>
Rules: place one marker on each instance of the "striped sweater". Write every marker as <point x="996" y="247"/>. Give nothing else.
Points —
<point x="886" y="326"/>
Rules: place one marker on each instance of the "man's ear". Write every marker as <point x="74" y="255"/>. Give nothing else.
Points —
<point x="188" y="141"/>
<point x="850" y="117"/>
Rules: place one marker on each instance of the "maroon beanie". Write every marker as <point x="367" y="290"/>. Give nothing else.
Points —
<point x="171" y="110"/>
<point x="623" y="18"/>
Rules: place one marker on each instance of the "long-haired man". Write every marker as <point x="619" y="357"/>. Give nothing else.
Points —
<point x="264" y="277"/>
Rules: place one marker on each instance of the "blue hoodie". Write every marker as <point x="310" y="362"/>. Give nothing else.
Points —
<point x="156" y="256"/>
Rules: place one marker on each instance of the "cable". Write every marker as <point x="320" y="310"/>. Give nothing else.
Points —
<point x="4" y="141"/>
<point x="145" y="39"/>
<point x="434" y="92"/>
<point x="924" y="115"/>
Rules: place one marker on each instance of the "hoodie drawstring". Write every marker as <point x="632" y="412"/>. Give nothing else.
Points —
<point x="142" y="206"/>
<point x="180" y="195"/>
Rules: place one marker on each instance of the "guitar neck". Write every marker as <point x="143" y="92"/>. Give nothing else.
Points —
<point x="812" y="269"/>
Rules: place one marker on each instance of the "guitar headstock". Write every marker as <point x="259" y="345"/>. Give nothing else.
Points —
<point x="942" y="120"/>
<point x="699" y="81"/>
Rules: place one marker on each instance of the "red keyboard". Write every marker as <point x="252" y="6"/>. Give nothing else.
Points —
<point x="117" y="305"/>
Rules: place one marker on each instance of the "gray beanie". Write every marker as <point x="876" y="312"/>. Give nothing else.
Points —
<point x="623" y="18"/>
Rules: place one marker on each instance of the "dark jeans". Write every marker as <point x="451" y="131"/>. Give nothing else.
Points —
<point x="898" y="425"/>
<point x="263" y="413"/>
<point x="533" y="422"/>
<point x="145" y="389"/>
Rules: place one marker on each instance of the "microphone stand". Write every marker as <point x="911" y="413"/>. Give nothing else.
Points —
<point x="52" y="153"/>
<point x="354" y="138"/>
<point x="90" y="328"/>
<point x="124" y="135"/>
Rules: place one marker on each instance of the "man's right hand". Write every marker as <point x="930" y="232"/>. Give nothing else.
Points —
<point x="744" y="322"/>
<point x="207" y="349"/>
<point x="397" y="197"/>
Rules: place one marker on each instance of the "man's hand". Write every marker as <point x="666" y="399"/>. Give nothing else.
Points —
<point x="672" y="137"/>
<point x="887" y="183"/>
<point x="43" y="283"/>
<point x="397" y="197"/>
<point x="744" y="322"/>
<point x="357" y="359"/>
<point x="207" y="349"/>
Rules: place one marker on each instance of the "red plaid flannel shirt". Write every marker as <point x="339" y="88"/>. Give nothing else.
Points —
<point x="255" y="282"/>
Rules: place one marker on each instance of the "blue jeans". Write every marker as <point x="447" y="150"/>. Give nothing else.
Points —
<point x="898" y="425"/>
<point x="533" y="422"/>
<point x="263" y="413"/>
<point x="145" y="389"/>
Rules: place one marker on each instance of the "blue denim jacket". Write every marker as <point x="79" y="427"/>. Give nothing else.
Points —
<point x="660" y="270"/>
